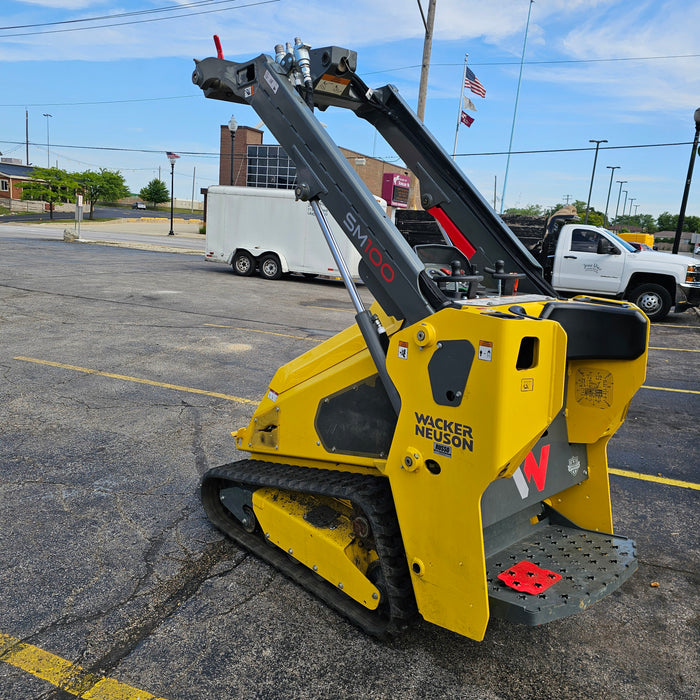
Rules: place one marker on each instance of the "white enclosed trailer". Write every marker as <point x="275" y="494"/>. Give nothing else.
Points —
<point x="269" y="231"/>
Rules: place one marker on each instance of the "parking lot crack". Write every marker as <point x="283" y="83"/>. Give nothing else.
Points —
<point x="166" y="599"/>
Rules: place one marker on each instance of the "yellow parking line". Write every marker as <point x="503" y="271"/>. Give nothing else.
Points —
<point x="656" y="479"/>
<point x="664" y="388"/>
<point x="253" y="330"/>
<point x="138" y="380"/>
<point x="65" y="675"/>
<point x="674" y="349"/>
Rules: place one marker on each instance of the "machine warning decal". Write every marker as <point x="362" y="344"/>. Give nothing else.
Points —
<point x="594" y="387"/>
<point x="485" y="350"/>
<point x="444" y="432"/>
<point x="248" y="91"/>
<point x="527" y="385"/>
<point x="403" y="350"/>
<point x="333" y="84"/>
<point x="274" y="85"/>
<point x="272" y="395"/>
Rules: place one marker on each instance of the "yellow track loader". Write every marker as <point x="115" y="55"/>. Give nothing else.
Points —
<point x="446" y="455"/>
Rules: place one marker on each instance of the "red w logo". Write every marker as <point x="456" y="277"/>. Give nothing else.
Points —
<point x="538" y="472"/>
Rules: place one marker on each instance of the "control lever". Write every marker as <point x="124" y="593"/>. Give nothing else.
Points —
<point x="507" y="281"/>
<point x="456" y="277"/>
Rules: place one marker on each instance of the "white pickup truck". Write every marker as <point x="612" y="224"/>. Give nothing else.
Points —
<point x="582" y="259"/>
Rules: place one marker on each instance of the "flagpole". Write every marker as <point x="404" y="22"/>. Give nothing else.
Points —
<point x="515" y="110"/>
<point x="459" y="108"/>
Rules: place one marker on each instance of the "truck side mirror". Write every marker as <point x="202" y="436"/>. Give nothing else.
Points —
<point x="605" y="247"/>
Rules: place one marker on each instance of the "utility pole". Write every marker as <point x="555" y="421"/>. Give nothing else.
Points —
<point x="612" y="169"/>
<point x="423" y="85"/>
<point x="48" y="147"/>
<point x="595" y="160"/>
<point x="567" y="197"/>
<point x="689" y="177"/>
<point x="619" y="194"/>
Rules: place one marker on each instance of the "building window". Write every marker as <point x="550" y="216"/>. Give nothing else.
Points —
<point x="4" y="186"/>
<point x="269" y="166"/>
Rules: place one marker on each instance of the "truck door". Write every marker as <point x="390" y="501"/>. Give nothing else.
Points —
<point x="593" y="263"/>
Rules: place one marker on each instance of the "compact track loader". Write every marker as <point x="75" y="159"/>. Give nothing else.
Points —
<point x="446" y="455"/>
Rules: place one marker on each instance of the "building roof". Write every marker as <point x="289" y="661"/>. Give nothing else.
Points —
<point x="12" y="170"/>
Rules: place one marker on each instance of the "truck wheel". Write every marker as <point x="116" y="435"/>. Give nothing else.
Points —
<point x="243" y="263"/>
<point x="270" y="267"/>
<point x="653" y="299"/>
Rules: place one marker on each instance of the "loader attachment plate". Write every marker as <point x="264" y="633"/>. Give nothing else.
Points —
<point x="591" y="565"/>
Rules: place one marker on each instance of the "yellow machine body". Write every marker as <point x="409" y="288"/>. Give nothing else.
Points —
<point x="460" y="428"/>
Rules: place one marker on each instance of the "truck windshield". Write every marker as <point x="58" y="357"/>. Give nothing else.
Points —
<point x="626" y="245"/>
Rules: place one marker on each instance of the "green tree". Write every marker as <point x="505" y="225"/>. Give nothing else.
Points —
<point x="691" y="223"/>
<point x="105" y="185"/>
<point x="51" y="185"/>
<point x="156" y="191"/>
<point x="667" y="221"/>
<point x="529" y="210"/>
<point x="645" y="222"/>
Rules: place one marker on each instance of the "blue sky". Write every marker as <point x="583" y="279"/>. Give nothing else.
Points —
<point x="624" y="71"/>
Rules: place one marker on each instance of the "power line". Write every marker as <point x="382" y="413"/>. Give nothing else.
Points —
<point x="143" y="21"/>
<point x="572" y="150"/>
<point x="116" y="15"/>
<point x="485" y="153"/>
<point x="100" y="102"/>
<point x="543" y="63"/>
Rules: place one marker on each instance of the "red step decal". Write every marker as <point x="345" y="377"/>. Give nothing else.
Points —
<point x="529" y="578"/>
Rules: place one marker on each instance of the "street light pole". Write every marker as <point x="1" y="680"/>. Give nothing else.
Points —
<point x="232" y="126"/>
<point x="595" y="159"/>
<point x="629" y="214"/>
<point x="48" y="147"/>
<point x="624" y="206"/>
<point x="686" y="191"/>
<point x="612" y="169"/>
<point x="172" y="157"/>
<point x="619" y="194"/>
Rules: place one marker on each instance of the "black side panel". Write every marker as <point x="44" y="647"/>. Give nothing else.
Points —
<point x="598" y="330"/>
<point x="449" y="369"/>
<point x="359" y="420"/>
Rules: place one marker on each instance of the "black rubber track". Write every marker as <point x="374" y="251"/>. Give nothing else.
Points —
<point x="371" y="494"/>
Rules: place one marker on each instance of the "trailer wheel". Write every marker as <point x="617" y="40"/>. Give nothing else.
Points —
<point x="653" y="299"/>
<point x="270" y="267"/>
<point x="243" y="263"/>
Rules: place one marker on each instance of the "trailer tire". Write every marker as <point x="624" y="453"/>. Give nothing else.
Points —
<point x="270" y="268"/>
<point x="243" y="263"/>
<point x="653" y="299"/>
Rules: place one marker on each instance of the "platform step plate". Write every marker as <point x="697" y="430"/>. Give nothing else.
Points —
<point x="591" y="565"/>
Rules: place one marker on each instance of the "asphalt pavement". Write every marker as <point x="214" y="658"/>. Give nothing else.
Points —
<point x="125" y="371"/>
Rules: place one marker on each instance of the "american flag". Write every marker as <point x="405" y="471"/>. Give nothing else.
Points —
<point x="466" y="119"/>
<point x="169" y="154"/>
<point x="472" y="82"/>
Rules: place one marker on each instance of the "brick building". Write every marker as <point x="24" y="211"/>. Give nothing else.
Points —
<point x="11" y="175"/>
<point x="255" y="164"/>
